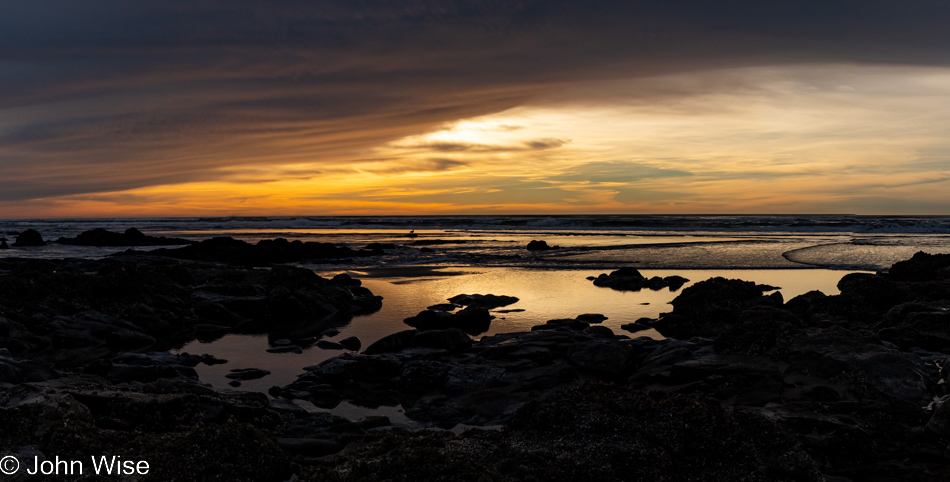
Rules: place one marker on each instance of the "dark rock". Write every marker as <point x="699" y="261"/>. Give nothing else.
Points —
<point x="125" y="339"/>
<point x="760" y="330"/>
<point x="569" y="323"/>
<point x="145" y="367"/>
<point x="921" y="267"/>
<point x="379" y="248"/>
<point x="131" y="237"/>
<point x="599" y="332"/>
<point x="634" y="327"/>
<point x="430" y="320"/>
<point x="392" y="343"/>
<point x="351" y="343"/>
<point x="488" y="301"/>
<point x="592" y="318"/>
<point x="453" y="339"/>
<point x="601" y="356"/>
<point x="359" y="367"/>
<point x="3" y="243"/>
<point x="939" y="422"/>
<point x="928" y="328"/>
<point x="330" y="332"/>
<point x="212" y="360"/>
<point x="630" y="279"/>
<point x="472" y="320"/>
<point x="312" y="447"/>
<point x="29" y="238"/>
<point x="635" y="436"/>
<point x="801" y="304"/>
<point x="265" y="253"/>
<point x="285" y="349"/>
<point x="374" y="421"/>
<point x="535" y="245"/>
<point x="132" y="302"/>
<point x="708" y="307"/>
<point x="329" y="345"/>
<point x="24" y="371"/>
<point x="346" y="280"/>
<point x="675" y="282"/>
<point x="245" y="374"/>
<point x="218" y="314"/>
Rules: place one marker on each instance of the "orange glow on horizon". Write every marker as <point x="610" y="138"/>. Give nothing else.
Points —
<point x="778" y="148"/>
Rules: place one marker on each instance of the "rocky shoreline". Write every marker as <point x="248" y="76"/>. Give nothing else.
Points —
<point x="746" y="386"/>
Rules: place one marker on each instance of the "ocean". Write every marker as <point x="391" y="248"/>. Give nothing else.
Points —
<point x="648" y="241"/>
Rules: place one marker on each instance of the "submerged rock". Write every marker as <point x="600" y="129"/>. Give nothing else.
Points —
<point x="488" y="301"/>
<point x="245" y="374"/>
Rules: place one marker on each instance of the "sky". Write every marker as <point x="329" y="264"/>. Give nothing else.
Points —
<point x="115" y="108"/>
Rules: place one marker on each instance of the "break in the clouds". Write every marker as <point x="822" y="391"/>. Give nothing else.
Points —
<point x="473" y="106"/>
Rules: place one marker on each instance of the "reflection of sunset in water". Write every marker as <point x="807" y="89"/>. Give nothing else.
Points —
<point x="543" y="295"/>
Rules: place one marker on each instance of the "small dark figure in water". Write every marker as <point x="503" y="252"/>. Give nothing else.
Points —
<point x="3" y="243"/>
<point x="412" y="234"/>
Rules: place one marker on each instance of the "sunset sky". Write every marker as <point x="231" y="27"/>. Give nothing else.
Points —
<point x="224" y="107"/>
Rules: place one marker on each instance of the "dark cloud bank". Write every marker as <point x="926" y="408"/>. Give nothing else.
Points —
<point x="110" y="95"/>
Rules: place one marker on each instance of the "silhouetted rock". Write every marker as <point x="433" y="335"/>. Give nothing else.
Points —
<point x="452" y="339"/>
<point x="472" y="320"/>
<point x="592" y="318"/>
<point x="351" y="343"/>
<point x="131" y="303"/>
<point x="29" y="238"/>
<point x="131" y="237"/>
<point x="598" y="331"/>
<point x="634" y="327"/>
<point x="379" y="248"/>
<point x="245" y="374"/>
<point x="285" y="349"/>
<point x="921" y="267"/>
<point x="630" y="279"/>
<point x="483" y="301"/>
<point x="708" y="307"/>
<point x="266" y="252"/>
<point x="329" y="345"/>
<point x="535" y="245"/>
<point x="392" y="343"/>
